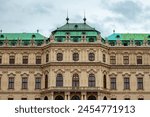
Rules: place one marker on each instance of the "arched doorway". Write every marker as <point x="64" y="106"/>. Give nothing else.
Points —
<point x="91" y="97"/>
<point x="45" y="98"/>
<point x="105" y="98"/>
<point x="59" y="97"/>
<point x="75" y="97"/>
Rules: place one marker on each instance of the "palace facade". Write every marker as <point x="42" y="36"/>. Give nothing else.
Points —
<point x="74" y="63"/>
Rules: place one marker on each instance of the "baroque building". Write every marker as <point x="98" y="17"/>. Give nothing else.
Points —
<point x="74" y="63"/>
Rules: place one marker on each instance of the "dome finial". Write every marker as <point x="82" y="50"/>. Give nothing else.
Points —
<point x="67" y="19"/>
<point x="84" y="19"/>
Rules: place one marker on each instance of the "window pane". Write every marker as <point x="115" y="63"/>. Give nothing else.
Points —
<point x="112" y="59"/>
<point x="140" y="83"/>
<point x="59" y="80"/>
<point x="11" y="83"/>
<point x="126" y="60"/>
<point x="113" y="83"/>
<point x="91" y="80"/>
<point x="139" y="59"/>
<point x="126" y="83"/>
<point x="38" y="59"/>
<point x="59" y="56"/>
<point x="75" y="80"/>
<point x="25" y="60"/>
<point x="24" y="83"/>
<point x="75" y="56"/>
<point x="37" y="83"/>
<point x="91" y="56"/>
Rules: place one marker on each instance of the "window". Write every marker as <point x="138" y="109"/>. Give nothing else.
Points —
<point x="0" y="59"/>
<point x="38" y="59"/>
<point x="37" y="83"/>
<point x="91" y="80"/>
<point x="126" y="83"/>
<point x="104" y="58"/>
<point x="91" y="39"/>
<point x="104" y="82"/>
<point x="59" y="80"/>
<point x="75" y="56"/>
<point x="24" y="83"/>
<point x="10" y="98"/>
<point x="91" y="56"/>
<point x="46" y="81"/>
<point x="113" y="83"/>
<point x="11" y="83"/>
<point x="25" y="60"/>
<point x="75" y="80"/>
<point x="75" y="40"/>
<point x="140" y="83"/>
<point x="11" y="59"/>
<point x="59" y="56"/>
<point x="126" y="60"/>
<point x="139" y="59"/>
<point x="112" y="59"/>
<point x="47" y="58"/>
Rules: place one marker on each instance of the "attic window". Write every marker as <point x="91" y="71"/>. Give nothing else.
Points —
<point x="2" y="36"/>
<point x="33" y="36"/>
<point x="118" y="36"/>
<point x="76" y="26"/>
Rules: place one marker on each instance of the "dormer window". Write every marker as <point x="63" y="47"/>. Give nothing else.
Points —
<point x="76" y="26"/>
<point x="59" y="40"/>
<point x="2" y="36"/>
<point x="91" y="39"/>
<point x="118" y="36"/>
<point x="33" y="36"/>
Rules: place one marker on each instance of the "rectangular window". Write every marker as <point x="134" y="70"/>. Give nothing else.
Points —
<point x="140" y="98"/>
<point x="37" y="98"/>
<point x="23" y="98"/>
<point x="11" y="59"/>
<point x="113" y="83"/>
<point x="113" y="60"/>
<point x="25" y="60"/>
<point x="113" y="99"/>
<point x="126" y="98"/>
<point x="10" y="98"/>
<point x="37" y="83"/>
<point x="11" y="83"/>
<point x="139" y="59"/>
<point x="0" y="59"/>
<point x="126" y="60"/>
<point x="126" y="83"/>
<point x="47" y="58"/>
<point x="24" y="83"/>
<point x="104" y="58"/>
<point x="38" y="59"/>
<point x="140" y="83"/>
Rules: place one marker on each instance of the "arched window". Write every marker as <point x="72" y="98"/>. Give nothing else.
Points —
<point x="91" y="80"/>
<point x="59" y="97"/>
<point x="59" y="80"/>
<point x="45" y="98"/>
<point x="75" y="97"/>
<point x="91" y="97"/>
<point x="59" y="56"/>
<point x="105" y="98"/>
<point x="46" y="81"/>
<point x="75" y="56"/>
<point x="75" y="80"/>
<point x="91" y="56"/>
<point x="104" y="82"/>
<point x="104" y="58"/>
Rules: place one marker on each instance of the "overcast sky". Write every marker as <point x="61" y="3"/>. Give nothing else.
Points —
<point x="125" y="16"/>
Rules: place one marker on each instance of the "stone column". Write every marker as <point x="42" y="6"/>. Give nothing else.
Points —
<point x="52" y="95"/>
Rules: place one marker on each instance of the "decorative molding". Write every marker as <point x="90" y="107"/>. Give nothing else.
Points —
<point x="24" y="75"/>
<point x="11" y="75"/>
<point x="38" y="75"/>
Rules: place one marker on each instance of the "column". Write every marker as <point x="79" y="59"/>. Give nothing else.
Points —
<point x="52" y="95"/>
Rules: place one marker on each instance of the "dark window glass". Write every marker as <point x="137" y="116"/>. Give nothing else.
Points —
<point x="24" y="83"/>
<point x="37" y="98"/>
<point x="91" y="39"/>
<point x="10" y="98"/>
<point x="91" y="80"/>
<point x="75" y="80"/>
<point x="112" y="59"/>
<point x="113" y="99"/>
<point x="91" y="56"/>
<point x="23" y="98"/>
<point x="38" y="59"/>
<point x="37" y="83"/>
<point x="126" y="83"/>
<point x="25" y="60"/>
<point x="126" y="60"/>
<point x="59" y="56"/>
<point x="47" y="58"/>
<point x="104" y="82"/>
<point x="75" y="56"/>
<point x="113" y="83"/>
<point x="11" y="59"/>
<point x="0" y="59"/>
<point x="140" y="98"/>
<point x="140" y="83"/>
<point x="11" y="83"/>
<point x="126" y="98"/>
<point x="139" y="59"/>
<point x="46" y="81"/>
<point x="104" y="58"/>
<point x="59" y="80"/>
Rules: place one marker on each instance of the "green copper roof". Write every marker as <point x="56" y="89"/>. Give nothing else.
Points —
<point x="22" y="36"/>
<point x="129" y="36"/>
<point x="76" y="27"/>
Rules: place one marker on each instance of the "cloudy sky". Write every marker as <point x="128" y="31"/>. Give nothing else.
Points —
<point x="125" y="16"/>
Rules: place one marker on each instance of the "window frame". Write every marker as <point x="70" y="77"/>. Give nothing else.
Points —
<point x="75" y="80"/>
<point x="59" y="80"/>
<point x="59" y="56"/>
<point x="75" y="56"/>
<point x="126" y="83"/>
<point x="24" y="83"/>
<point x="25" y="60"/>
<point x="91" y="56"/>
<point x="38" y="83"/>
<point x="11" y="83"/>
<point x="91" y="80"/>
<point x="113" y="60"/>
<point x="113" y="83"/>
